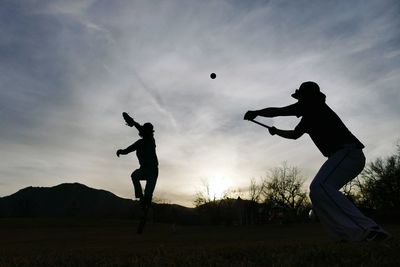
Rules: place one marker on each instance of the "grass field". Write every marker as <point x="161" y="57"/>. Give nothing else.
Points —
<point x="57" y="242"/>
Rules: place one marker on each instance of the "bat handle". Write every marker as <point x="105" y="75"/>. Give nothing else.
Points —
<point x="262" y="124"/>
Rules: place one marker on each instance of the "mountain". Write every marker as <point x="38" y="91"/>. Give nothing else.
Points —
<point x="78" y="200"/>
<point x="66" y="200"/>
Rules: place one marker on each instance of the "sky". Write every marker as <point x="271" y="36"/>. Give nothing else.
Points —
<point x="68" y="69"/>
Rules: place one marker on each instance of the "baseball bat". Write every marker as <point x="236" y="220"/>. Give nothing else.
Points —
<point x="262" y="124"/>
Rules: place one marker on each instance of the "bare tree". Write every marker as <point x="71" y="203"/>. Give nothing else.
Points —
<point x="202" y="196"/>
<point x="379" y="185"/>
<point x="352" y="190"/>
<point x="284" y="188"/>
<point x="255" y="190"/>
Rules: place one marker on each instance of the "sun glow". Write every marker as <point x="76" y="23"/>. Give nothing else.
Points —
<point x="218" y="187"/>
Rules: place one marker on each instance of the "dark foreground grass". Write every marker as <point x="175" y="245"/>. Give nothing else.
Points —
<point x="114" y="243"/>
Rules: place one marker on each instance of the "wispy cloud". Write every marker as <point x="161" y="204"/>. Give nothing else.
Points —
<point x="68" y="70"/>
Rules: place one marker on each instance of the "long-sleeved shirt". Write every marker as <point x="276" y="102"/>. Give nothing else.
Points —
<point x="145" y="151"/>
<point x="324" y="126"/>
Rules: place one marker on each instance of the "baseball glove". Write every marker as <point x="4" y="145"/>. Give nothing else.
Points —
<point x="128" y="119"/>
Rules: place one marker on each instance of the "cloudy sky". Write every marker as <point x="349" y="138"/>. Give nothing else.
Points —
<point x="68" y="69"/>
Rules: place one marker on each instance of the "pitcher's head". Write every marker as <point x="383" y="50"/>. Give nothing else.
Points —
<point x="147" y="130"/>
<point x="309" y="91"/>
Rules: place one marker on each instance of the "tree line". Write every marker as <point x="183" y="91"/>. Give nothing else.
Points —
<point x="282" y="196"/>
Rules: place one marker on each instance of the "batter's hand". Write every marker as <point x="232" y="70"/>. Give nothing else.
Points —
<point x="272" y="130"/>
<point x="250" y="115"/>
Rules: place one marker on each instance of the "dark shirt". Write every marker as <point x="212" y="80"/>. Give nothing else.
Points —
<point x="145" y="151"/>
<point x="325" y="128"/>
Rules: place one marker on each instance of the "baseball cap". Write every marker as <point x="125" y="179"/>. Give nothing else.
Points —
<point x="147" y="128"/>
<point x="308" y="90"/>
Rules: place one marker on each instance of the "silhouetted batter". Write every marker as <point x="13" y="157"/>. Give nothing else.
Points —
<point x="345" y="161"/>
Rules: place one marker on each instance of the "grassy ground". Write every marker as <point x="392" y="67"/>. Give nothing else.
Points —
<point x="56" y="242"/>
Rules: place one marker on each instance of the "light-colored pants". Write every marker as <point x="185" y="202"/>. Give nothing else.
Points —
<point x="337" y="213"/>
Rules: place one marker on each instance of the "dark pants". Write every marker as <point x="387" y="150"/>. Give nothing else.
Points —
<point x="148" y="174"/>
